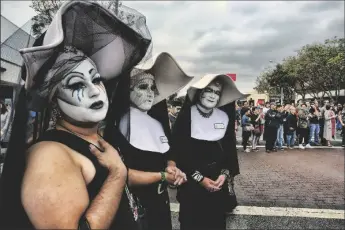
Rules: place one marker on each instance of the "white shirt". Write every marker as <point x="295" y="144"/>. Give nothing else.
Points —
<point x="209" y="129"/>
<point x="146" y="133"/>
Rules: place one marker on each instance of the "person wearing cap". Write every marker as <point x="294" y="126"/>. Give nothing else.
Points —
<point x="70" y="177"/>
<point x="142" y="132"/>
<point x="203" y="141"/>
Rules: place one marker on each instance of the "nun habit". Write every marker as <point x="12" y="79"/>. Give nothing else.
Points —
<point x="205" y="147"/>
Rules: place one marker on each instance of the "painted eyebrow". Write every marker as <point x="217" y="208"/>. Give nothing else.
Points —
<point x="81" y="76"/>
<point x="92" y="70"/>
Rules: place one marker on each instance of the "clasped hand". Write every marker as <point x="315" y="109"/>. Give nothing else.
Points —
<point x="213" y="186"/>
<point x="175" y="176"/>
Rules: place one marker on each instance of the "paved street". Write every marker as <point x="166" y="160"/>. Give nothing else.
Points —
<point x="274" y="190"/>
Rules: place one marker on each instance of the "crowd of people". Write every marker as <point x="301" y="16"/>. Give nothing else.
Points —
<point x="306" y="124"/>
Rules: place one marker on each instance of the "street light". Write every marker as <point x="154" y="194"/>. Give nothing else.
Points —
<point x="281" y="88"/>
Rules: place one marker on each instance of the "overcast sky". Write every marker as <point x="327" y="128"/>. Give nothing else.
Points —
<point x="228" y="36"/>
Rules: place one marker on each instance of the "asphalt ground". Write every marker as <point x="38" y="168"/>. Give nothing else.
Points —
<point x="291" y="189"/>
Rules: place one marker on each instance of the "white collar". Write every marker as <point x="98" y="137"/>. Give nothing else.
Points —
<point x="209" y="129"/>
<point x="146" y="133"/>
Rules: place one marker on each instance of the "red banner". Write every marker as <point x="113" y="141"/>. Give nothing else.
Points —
<point x="232" y="76"/>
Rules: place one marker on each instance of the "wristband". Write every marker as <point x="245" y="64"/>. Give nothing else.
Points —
<point x="163" y="178"/>
<point x="197" y="176"/>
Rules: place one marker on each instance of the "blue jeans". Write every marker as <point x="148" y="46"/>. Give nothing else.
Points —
<point x="314" y="133"/>
<point x="280" y="136"/>
<point x="290" y="139"/>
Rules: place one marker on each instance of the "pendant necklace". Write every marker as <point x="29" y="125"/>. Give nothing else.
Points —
<point x="203" y="114"/>
<point x="74" y="133"/>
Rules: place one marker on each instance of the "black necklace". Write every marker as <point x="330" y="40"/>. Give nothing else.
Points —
<point x="203" y="114"/>
<point x="80" y="136"/>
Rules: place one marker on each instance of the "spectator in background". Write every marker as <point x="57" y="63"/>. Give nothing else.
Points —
<point x="338" y="119"/>
<point x="291" y="123"/>
<point x="256" y="122"/>
<point x="303" y="127"/>
<point x="299" y="104"/>
<point x="342" y="122"/>
<point x="5" y="120"/>
<point x="271" y="127"/>
<point x="333" y="120"/>
<point x="251" y="102"/>
<point x="308" y="104"/>
<point x="262" y="123"/>
<point x="173" y="113"/>
<point x="322" y="121"/>
<point x="265" y="109"/>
<point x="244" y="108"/>
<point x="247" y="129"/>
<point x="280" y="132"/>
<point x="286" y="113"/>
<point x="314" y="126"/>
<point x="327" y="131"/>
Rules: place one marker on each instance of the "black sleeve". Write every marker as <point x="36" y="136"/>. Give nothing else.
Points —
<point x="180" y="149"/>
<point x="229" y="143"/>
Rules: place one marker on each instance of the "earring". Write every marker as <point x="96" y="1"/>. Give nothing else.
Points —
<point x="56" y="114"/>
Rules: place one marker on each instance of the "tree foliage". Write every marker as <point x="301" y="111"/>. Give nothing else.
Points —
<point x="316" y="68"/>
<point x="46" y="9"/>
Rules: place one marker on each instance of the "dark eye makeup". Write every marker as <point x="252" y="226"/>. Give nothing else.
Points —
<point x="209" y="90"/>
<point x="143" y="86"/>
<point x="97" y="80"/>
<point x="76" y="86"/>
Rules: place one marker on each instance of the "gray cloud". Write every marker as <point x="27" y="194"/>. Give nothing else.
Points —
<point x="243" y="37"/>
<point x="231" y="36"/>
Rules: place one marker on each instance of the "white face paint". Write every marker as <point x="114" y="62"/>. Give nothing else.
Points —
<point x="82" y="96"/>
<point x="143" y="94"/>
<point x="210" y="95"/>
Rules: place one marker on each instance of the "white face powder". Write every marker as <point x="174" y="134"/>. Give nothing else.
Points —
<point x="82" y="96"/>
<point x="210" y="95"/>
<point x="143" y="93"/>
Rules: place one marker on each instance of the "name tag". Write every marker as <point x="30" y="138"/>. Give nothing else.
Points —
<point x="219" y="126"/>
<point x="164" y="139"/>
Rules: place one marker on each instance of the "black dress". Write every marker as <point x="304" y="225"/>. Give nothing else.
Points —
<point x="199" y="208"/>
<point x="124" y="218"/>
<point x="154" y="197"/>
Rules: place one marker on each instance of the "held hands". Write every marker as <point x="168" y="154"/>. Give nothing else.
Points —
<point x="109" y="159"/>
<point x="175" y="176"/>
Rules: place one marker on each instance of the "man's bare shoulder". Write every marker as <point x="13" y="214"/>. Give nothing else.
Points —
<point x="49" y="151"/>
